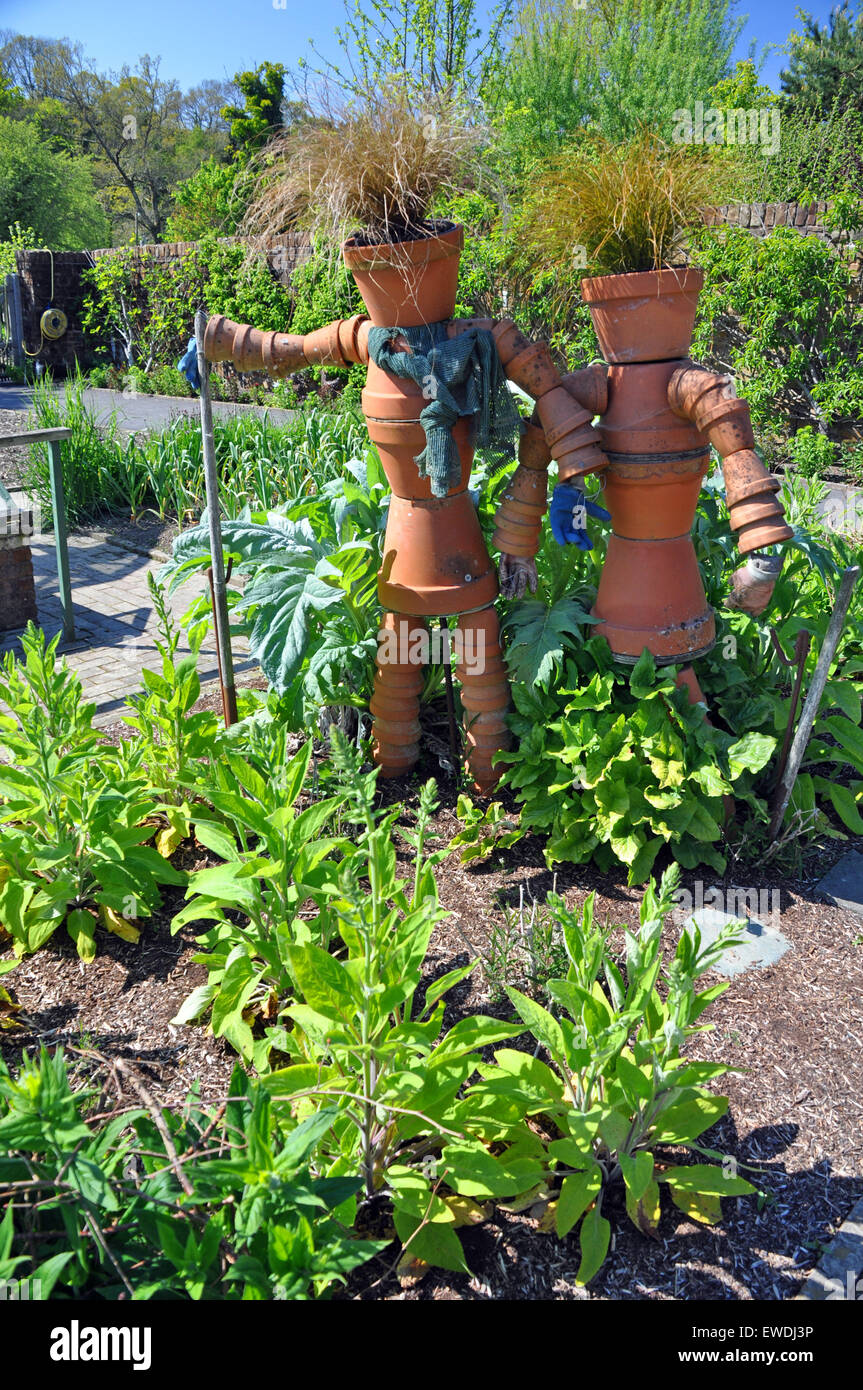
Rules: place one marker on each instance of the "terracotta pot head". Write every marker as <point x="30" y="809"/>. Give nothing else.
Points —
<point x="405" y="283"/>
<point x="644" y="317"/>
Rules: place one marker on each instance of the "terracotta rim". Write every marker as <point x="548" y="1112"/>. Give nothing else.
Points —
<point x="642" y="284"/>
<point x="420" y="251"/>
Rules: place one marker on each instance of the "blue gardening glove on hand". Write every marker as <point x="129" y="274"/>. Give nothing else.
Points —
<point x="188" y="365"/>
<point x="568" y="513"/>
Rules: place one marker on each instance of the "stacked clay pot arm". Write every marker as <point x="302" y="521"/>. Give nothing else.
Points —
<point x="337" y="344"/>
<point x="560" y="428"/>
<point x="707" y="399"/>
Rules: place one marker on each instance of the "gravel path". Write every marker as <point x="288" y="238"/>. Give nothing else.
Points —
<point x="11" y="459"/>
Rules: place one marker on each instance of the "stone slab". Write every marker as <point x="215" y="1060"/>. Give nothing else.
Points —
<point x="844" y="883"/>
<point x="764" y="944"/>
<point x="840" y="1270"/>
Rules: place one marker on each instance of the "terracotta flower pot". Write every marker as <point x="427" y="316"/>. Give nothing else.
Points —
<point x="421" y="575"/>
<point x="651" y="595"/>
<point x="644" y="317"/>
<point x="406" y="283"/>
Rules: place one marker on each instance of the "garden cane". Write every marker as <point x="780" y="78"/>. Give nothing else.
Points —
<point x="813" y="699"/>
<point x="219" y="590"/>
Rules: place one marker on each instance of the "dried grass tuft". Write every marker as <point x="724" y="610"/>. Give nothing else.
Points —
<point x="371" y="172"/>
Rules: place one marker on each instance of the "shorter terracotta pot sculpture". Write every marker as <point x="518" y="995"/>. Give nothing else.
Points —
<point x="659" y="415"/>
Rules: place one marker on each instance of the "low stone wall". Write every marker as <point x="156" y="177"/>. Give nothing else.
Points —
<point x="284" y="254"/>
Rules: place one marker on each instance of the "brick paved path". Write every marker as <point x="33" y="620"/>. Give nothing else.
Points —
<point x="114" y="620"/>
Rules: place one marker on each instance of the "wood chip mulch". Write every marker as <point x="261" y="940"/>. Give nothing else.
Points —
<point x="795" y="1121"/>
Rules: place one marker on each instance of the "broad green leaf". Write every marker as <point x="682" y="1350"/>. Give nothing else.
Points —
<point x="542" y="1024"/>
<point x="594" y="1238"/>
<point x="576" y="1194"/>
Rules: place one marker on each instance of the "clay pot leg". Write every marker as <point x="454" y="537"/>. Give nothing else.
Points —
<point x="402" y="646"/>
<point x="484" y="695"/>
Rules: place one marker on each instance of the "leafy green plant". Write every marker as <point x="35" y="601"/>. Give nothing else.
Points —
<point x="623" y="1093"/>
<point x="780" y="314"/>
<point x="74" y="815"/>
<point x="310" y="601"/>
<point x="358" y="1043"/>
<point x="170" y="736"/>
<point x="615" y="765"/>
<point x="200" y="1204"/>
<point x="274" y="859"/>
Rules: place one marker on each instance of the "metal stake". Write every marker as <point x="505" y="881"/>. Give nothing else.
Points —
<point x="813" y="697"/>
<point x="61" y="543"/>
<point x="219" y="587"/>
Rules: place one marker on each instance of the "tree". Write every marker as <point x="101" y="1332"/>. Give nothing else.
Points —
<point x="213" y="199"/>
<point x="48" y="191"/>
<point x="437" y="46"/>
<point x="140" y="132"/>
<point x="263" y="91"/>
<point x="826" y="68"/>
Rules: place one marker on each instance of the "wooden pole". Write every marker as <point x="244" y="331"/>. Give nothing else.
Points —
<point x="219" y="586"/>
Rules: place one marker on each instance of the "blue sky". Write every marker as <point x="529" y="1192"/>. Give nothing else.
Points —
<point x="217" y="38"/>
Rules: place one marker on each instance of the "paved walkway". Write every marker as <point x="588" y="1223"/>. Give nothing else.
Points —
<point x="141" y="412"/>
<point x="114" y="620"/>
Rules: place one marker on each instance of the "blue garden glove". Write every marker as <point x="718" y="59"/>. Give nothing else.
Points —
<point x="188" y="365"/>
<point x="568" y="513"/>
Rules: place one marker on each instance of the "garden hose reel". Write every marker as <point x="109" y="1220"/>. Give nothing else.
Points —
<point x="53" y="324"/>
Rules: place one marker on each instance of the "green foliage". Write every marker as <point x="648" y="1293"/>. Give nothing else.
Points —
<point x="171" y="736"/>
<point x="438" y="46"/>
<point x="148" y="304"/>
<point x="811" y="452"/>
<point x="322" y="289"/>
<point x="826" y="63"/>
<point x="263" y="91"/>
<point x="209" y="202"/>
<point x="615" y="763"/>
<point x="92" y="460"/>
<point x="18" y="239"/>
<point x="624" y="1089"/>
<point x="613" y="70"/>
<point x="274" y="860"/>
<point x="309" y="605"/>
<point x="139" y="1207"/>
<point x="242" y="286"/>
<point x="779" y="313"/>
<point x="75" y="814"/>
<point x="818" y="157"/>
<point x="47" y="192"/>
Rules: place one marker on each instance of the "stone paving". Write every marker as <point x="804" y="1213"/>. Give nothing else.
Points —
<point x="114" y="620"/>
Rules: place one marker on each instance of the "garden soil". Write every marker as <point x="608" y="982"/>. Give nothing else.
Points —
<point x="794" y="1030"/>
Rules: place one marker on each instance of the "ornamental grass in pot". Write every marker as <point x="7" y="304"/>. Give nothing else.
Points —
<point x="365" y="179"/>
<point x="627" y="211"/>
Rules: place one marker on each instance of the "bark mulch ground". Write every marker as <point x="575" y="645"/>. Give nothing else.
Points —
<point x="794" y="1124"/>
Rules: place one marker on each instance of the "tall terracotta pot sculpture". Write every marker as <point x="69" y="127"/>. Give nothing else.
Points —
<point x="435" y="561"/>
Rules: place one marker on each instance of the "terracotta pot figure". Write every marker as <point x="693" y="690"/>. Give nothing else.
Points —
<point x="435" y="561"/>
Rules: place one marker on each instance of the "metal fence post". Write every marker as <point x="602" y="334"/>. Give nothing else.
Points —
<point x="58" y="506"/>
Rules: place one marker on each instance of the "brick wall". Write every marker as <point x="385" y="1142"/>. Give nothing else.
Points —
<point x="284" y="254"/>
<point x="17" y="590"/>
<point x="808" y="219"/>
